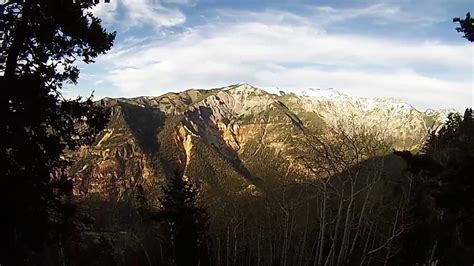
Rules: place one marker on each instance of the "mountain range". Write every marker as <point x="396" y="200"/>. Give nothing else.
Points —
<point x="234" y="138"/>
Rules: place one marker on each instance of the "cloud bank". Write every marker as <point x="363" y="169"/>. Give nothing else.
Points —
<point x="273" y="48"/>
<point x="133" y="13"/>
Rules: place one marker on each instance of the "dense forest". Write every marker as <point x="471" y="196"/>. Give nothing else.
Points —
<point x="365" y="204"/>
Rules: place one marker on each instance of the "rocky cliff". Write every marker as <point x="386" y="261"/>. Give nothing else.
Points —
<point x="230" y="139"/>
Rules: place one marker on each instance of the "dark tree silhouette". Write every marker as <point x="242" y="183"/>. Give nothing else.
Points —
<point x="186" y="220"/>
<point x="446" y="188"/>
<point x="453" y="146"/>
<point x="466" y="26"/>
<point x="41" y="41"/>
<point x="443" y="205"/>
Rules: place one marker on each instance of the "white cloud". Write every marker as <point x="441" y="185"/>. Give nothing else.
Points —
<point x="281" y="44"/>
<point x="383" y="11"/>
<point x="133" y="13"/>
<point x="180" y="2"/>
<point x="286" y="51"/>
<point x="106" y="11"/>
<point x="151" y="12"/>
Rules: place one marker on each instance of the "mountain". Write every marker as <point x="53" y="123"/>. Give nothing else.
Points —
<point x="233" y="139"/>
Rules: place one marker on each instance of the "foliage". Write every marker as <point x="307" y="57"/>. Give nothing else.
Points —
<point x="186" y="220"/>
<point x="466" y="26"/>
<point x="42" y="40"/>
<point x="444" y="195"/>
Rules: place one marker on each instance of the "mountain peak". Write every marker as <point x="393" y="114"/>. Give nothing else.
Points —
<point x="245" y="89"/>
<point x="323" y="93"/>
<point x="243" y="86"/>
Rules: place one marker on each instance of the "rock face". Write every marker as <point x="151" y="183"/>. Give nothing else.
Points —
<point x="230" y="139"/>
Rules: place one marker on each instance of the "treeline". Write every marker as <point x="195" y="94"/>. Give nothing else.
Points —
<point x="356" y="206"/>
<point x="359" y="206"/>
<point x="341" y="212"/>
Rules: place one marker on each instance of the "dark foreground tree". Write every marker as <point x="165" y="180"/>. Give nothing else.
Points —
<point x="444" y="198"/>
<point x="41" y="41"/>
<point x="186" y="220"/>
<point x="443" y="205"/>
<point x="466" y="26"/>
<point x="453" y="147"/>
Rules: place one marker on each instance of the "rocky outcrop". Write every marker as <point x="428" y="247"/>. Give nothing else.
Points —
<point x="231" y="138"/>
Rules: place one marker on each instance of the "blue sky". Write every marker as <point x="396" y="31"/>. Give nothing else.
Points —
<point x="402" y="49"/>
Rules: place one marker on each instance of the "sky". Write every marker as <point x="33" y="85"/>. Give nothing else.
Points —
<point x="365" y="48"/>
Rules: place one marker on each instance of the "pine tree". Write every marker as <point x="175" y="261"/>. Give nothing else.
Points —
<point x="466" y="26"/>
<point x="449" y="219"/>
<point x="40" y="37"/>
<point x="186" y="220"/>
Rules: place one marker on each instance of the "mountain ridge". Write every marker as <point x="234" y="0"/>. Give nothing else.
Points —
<point x="231" y="138"/>
<point x="325" y="93"/>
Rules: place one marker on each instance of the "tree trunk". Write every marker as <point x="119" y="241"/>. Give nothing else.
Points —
<point x="303" y="243"/>
<point x="344" y="245"/>
<point x="19" y="37"/>
<point x="320" y="251"/>
<point x="359" y="223"/>
<point x="330" y="257"/>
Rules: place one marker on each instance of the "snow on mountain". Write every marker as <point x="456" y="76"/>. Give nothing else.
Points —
<point x="223" y="134"/>
<point x="229" y="106"/>
<point x="391" y="117"/>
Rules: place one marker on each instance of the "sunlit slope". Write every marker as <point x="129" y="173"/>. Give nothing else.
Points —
<point x="230" y="139"/>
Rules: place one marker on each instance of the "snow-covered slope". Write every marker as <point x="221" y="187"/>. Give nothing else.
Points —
<point x="220" y="135"/>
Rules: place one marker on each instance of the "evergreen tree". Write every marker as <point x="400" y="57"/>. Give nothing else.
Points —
<point x="41" y="41"/>
<point x="466" y="26"/>
<point x="443" y="206"/>
<point x="186" y="220"/>
<point x="455" y="193"/>
<point x="445" y="217"/>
